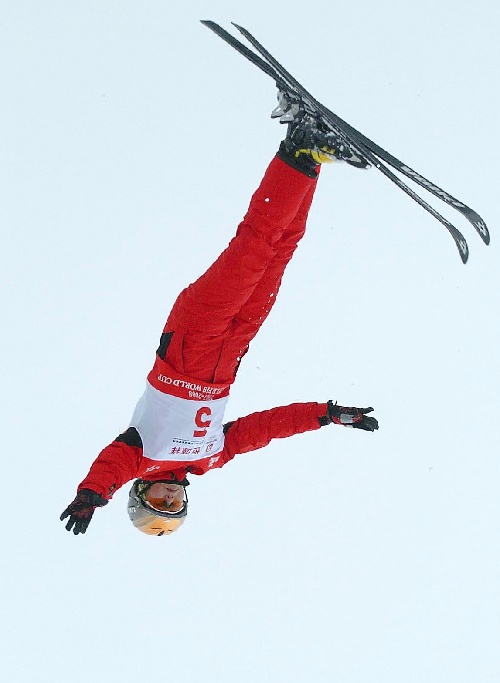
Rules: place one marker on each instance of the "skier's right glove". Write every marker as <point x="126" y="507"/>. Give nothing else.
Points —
<point x="351" y="417"/>
<point x="80" y="511"/>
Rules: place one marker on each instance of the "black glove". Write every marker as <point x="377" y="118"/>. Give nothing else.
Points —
<point x="80" y="511"/>
<point x="351" y="417"/>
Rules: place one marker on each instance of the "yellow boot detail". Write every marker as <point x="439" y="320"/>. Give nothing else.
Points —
<point x="320" y="156"/>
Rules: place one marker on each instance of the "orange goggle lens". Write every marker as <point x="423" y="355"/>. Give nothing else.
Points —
<point x="161" y="505"/>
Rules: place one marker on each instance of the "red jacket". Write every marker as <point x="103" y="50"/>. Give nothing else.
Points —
<point x="207" y="333"/>
<point x="121" y="462"/>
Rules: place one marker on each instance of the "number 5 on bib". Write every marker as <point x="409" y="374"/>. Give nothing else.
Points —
<point x="203" y="421"/>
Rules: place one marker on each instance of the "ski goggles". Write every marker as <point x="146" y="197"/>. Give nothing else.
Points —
<point x="174" y="509"/>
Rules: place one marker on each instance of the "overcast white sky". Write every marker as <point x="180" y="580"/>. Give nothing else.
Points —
<point x="131" y="141"/>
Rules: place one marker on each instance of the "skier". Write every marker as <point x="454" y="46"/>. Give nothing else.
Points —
<point x="177" y="427"/>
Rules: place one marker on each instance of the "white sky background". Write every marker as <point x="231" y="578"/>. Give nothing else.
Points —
<point x="131" y="141"/>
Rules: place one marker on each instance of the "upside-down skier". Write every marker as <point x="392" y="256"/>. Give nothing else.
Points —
<point x="178" y="428"/>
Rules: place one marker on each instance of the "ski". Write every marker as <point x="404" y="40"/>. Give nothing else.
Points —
<point x="366" y="147"/>
<point x="471" y="215"/>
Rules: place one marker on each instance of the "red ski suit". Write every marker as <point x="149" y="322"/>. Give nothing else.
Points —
<point x="208" y="331"/>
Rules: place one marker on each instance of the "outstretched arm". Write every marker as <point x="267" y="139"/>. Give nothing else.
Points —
<point x="258" y="429"/>
<point x="114" y="466"/>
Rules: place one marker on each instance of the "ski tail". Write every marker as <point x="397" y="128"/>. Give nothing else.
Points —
<point x="245" y="51"/>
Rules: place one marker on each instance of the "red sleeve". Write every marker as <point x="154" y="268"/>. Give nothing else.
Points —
<point x="114" y="466"/>
<point x="258" y="429"/>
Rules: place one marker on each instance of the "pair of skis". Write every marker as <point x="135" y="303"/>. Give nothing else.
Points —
<point x="375" y="155"/>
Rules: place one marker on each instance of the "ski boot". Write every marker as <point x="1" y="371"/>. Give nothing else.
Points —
<point x="308" y="141"/>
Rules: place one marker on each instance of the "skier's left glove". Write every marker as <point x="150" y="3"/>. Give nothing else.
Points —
<point x="351" y="417"/>
<point x="80" y="511"/>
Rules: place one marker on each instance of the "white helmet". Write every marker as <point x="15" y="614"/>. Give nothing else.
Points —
<point x="155" y="520"/>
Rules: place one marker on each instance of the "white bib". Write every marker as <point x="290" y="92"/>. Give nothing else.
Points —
<point x="178" y="429"/>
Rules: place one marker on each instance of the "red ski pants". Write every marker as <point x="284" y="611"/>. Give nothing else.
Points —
<point x="214" y="319"/>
